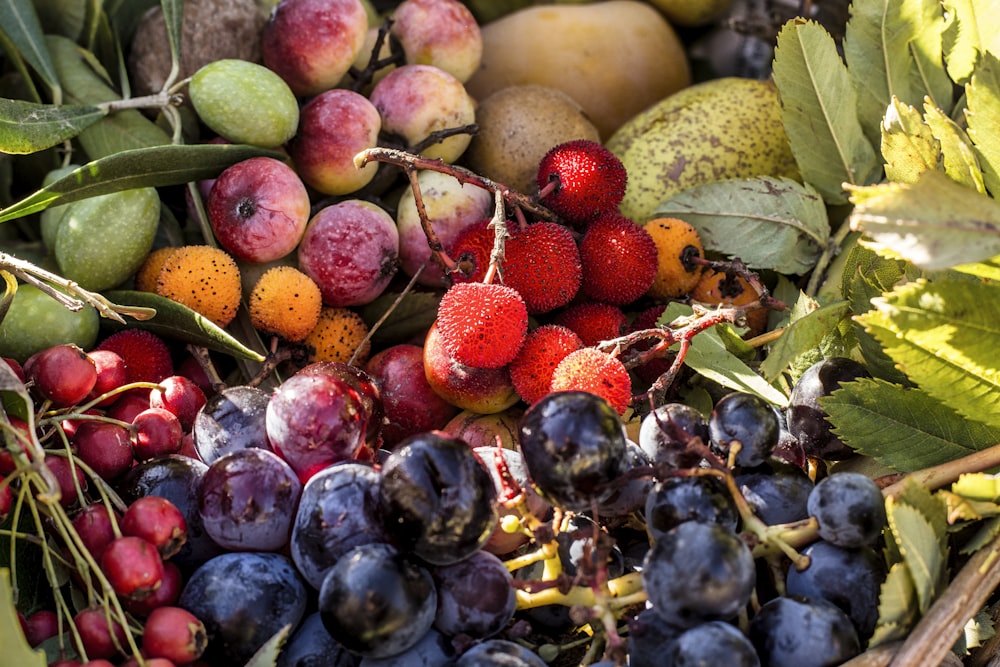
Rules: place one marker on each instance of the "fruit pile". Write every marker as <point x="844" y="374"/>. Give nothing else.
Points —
<point x="452" y="333"/>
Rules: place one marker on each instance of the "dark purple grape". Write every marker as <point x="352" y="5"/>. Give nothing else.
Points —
<point x="849" y="508"/>
<point x="475" y="596"/>
<point x="433" y="650"/>
<point x="312" y="646"/>
<point x="230" y="420"/>
<point x="665" y="433"/>
<point x="573" y="445"/>
<point x="368" y="391"/>
<point x="499" y="653"/>
<point x="176" y="478"/>
<point x="437" y="499"/>
<point x="247" y="500"/>
<point x="712" y="643"/>
<point x="806" y="418"/>
<point x="244" y="598"/>
<point x="849" y="578"/>
<point x="675" y="500"/>
<point x="799" y="632"/>
<point x="338" y="511"/>
<point x="649" y="638"/>
<point x="630" y="490"/>
<point x="777" y="492"/>
<point x="377" y="602"/>
<point x="698" y="572"/>
<point x="749" y="420"/>
<point x="315" y="419"/>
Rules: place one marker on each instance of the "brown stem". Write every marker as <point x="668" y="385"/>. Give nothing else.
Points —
<point x="438" y="253"/>
<point x="937" y="476"/>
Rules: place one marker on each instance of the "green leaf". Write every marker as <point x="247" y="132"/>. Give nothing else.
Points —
<point x="935" y="223"/>
<point x="178" y="322"/>
<point x="920" y="548"/>
<point x="173" y="14"/>
<point x="977" y="486"/>
<point x="960" y="161"/>
<point x="930" y="505"/>
<point x="267" y="655"/>
<point x="989" y="269"/>
<point x="16" y="650"/>
<point x="802" y="335"/>
<point x="905" y="429"/>
<point x="157" y="166"/>
<point x="973" y="28"/>
<point x="944" y="339"/>
<point x="769" y="223"/>
<point x="818" y="108"/>
<point x="879" y="59"/>
<point x="26" y="127"/>
<point x="982" y="95"/>
<point x="414" y="314"/>
<point x="897" y="606"/>
<point x="988" y="530"/>
<point x="19" y="23"/>
<point x="709" y="357"/>
<point x="908" y="145"/>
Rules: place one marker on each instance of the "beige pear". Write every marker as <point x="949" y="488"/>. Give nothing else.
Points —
<point x="711" y="131"/>
<point x="614" y="58"/>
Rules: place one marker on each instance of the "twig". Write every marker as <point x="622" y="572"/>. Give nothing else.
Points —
<point x="937" y="476"/>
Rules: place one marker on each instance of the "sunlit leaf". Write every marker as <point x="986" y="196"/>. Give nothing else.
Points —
<point x="19" y="23"/>
<point x="769" y="223"/>
<point x="973" y="28"/>
<point x="897" y="606"/>
<point x="959" y="159"/>
<point x="945" y="340"/>
<point x="818" y="108"/>
<point x="921" y="550"/>
<point x="156" y="166"/>
<point x="16" y="650"/>
<point x="802" y="335"/>
<point x="978" y="486"/>
<point x="982" y="95"/>
<point x="26" y="127"/>
<point x="989" y="268"/>
<point x="934" y="223"/>
<point x="908" y="145"/>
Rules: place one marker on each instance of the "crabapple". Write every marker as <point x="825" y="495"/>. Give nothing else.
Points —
<point x="442" y="33"/>
<point x="63" y="374"/>
<point x="158" y="521"/>
<point x="180" y="395"/>
<point x="158" y="432"/>
<point x="132" y="566"/>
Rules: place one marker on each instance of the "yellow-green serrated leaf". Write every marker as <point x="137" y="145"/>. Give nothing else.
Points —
<point x="960" y="161"/>
<point x="16" y="650"/>
<point x="927" y="49"/>
<point x="178" y="322"/>
<point x="987" y="532"/>
<point x="709" y="357"/>
<point x="973" y="28"/>
<point x="863" y="261"/>
<point x="26" y="127"/>
<point x="961" y="508"/>
<point x="908" y="145"/>
<point x="769" y="223"/>
<point x="19" y="24"/>
<point x="944" y="337"/>
<point x="905" y="429"/>
<point x="982" y="95"/>
<point x="803" y="335"/>
<point x="818" y="109"/>
<point x="989" y="269"/>
<point x="977" y="486"/>
<point x="879" y="60"/>
<point x="919" y="497"/>
<point x="897" y="606"/>
<point x="173" y="164"/>
<point x="920" y="548"/>
<point x="935" y="223"/>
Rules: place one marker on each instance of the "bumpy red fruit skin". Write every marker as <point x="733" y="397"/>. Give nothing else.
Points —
<point x="147" y="357"/>
<point x="591" y="180"/>
<point x="588" y="369"/>
<point x="482" y="325"/>
<point x="542" y="263"/>
<point x="543" y="349"/>
<point x="471" y="251"/>
<point x="618" y="260"/>
<point x="593" y="321"/>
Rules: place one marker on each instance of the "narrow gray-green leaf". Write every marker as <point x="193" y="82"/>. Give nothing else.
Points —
<point x="769" y="223"/>
<point x="935" y="223"/>
<point x="908" y="145"/>
<point x="26" y="127"/>
<point x="960" y="161"/>
<point x="802" y="335"/>
<point x="19" y="22"/>
<point x="155" y="166"/>
<point x="982" y="95"/>
<point x="921" y="551"/>
<point x="905" y="429"/>
<point x="944" y="335"/>
<point x="876" y="48"/>
<point x="973" y="28"/>
<point x="173" y="14"/>
<point x="178" y="322"/>
<point x="819" y="111"/>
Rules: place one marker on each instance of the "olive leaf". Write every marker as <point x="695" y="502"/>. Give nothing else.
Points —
<point x="818" y="109"/>
<point x="26" y="127"/>
<point x="173" y="14"/>
<point x="172" y="164"/>
<point x="769" y="223"/>
<point x="908" y="145"/>
<point x="982" y="114"/>
<point x="20" y="25"/>
<point x="935" y="223"/>
<point x="903" y="428"/>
